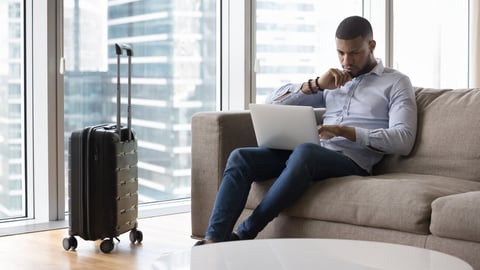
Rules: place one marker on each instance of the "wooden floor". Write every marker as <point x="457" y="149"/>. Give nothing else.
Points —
<point x="44" y="250"/>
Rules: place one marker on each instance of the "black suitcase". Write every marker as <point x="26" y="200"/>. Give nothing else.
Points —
<point x="103" y="178"/>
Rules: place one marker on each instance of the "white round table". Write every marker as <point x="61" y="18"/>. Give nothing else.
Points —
<point x="304" y="254"/>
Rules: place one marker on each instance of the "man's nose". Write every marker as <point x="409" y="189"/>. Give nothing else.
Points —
<point x="347" y="60"/>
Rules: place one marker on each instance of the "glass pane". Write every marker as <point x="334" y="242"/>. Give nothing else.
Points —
<point x="295" y="40"/>
<point x="12" y="111"/>
<point x="433" y="53"/>
<point x="173" y="76"/>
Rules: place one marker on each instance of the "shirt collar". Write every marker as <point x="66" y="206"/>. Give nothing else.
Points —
<point x="378" y="69"/>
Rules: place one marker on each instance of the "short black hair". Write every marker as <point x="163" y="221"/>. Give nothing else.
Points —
<point x="353" y="27"/>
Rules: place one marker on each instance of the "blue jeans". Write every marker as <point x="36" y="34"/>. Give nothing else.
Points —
<point x="296" y="171"/>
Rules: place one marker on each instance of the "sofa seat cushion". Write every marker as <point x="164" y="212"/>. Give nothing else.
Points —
<point x="396" y="201"/>
<point x="457" y="216"/>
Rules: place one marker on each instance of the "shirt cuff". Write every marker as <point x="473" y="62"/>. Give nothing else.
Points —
<point x="361" y="136"/>
<point x="280" y="95"/>
<point x="296" y="88"/>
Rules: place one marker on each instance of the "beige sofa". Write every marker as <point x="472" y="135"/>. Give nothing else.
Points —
<point x="430" y="198"/>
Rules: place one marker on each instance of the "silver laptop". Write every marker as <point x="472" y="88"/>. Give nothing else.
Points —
<point x="283" y="126"/>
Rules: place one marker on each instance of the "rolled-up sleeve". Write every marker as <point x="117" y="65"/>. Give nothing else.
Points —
<point x="290" y="94"/>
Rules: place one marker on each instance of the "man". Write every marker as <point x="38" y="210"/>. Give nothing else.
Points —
<point x="370" y="111"/>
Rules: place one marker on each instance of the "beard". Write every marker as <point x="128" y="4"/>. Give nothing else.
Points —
<point x="367" y="67"/>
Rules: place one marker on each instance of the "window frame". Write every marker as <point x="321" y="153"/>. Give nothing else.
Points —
<point x="237" y="54"/>
<point x="45" y="99"/>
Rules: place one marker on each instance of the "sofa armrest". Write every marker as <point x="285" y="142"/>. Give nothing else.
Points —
<point x="214" y="136"/>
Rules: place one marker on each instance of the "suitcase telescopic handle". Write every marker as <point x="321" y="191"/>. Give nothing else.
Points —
<point x="118" y="49"/>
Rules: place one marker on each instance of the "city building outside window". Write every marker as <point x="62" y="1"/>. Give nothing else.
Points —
<point x="173" y="76"/>
<point x="12" y="111"/>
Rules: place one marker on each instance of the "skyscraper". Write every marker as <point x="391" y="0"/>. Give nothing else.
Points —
<point x="12" y="139"/>
<point x="173" y="76"/>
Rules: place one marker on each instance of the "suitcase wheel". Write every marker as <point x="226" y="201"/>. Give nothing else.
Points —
<point x="106" y="246"/>
<point x="70" y="243"/>
<point x="136" y="236"/>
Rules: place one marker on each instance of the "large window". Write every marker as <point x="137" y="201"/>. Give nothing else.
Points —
<point x="12" y="111"/>
<point x="295" y="39"/>
<point x="173" y="76"/>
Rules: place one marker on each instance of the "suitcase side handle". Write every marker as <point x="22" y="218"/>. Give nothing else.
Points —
<point x="118" y="50"/>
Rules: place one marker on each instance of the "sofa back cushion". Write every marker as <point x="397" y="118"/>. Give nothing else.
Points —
<point x="448" y="136"/>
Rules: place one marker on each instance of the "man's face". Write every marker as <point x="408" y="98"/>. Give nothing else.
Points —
<point x="356" y="55"/>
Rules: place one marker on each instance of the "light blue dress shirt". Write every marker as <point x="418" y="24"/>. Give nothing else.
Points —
<point x="380" y="105"/>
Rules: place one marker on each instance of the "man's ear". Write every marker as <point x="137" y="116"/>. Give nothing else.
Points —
<point x="371" y="45"/>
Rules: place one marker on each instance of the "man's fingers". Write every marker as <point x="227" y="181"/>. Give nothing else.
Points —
<point x="340" y="77"/>
<point x="334" y="78"/>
